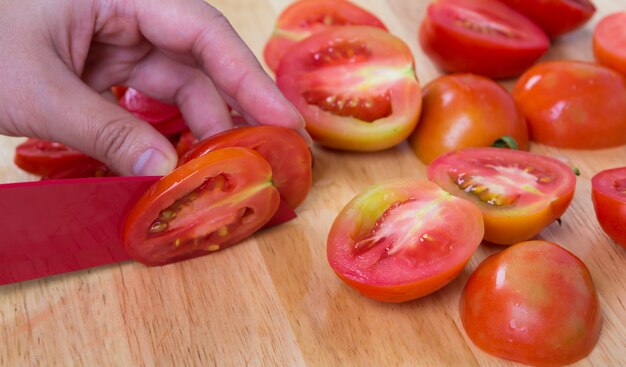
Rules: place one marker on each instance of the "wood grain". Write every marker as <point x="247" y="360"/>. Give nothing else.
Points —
<point x="273" y="300"/>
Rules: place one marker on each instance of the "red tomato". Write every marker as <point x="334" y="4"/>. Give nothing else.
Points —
<point x="306" y="17"/>
<point x="481" y="36"/>
<point x="403" y="239"/>
<point x="205" y="205"/>
<point x="355" y="86"/>
<point x="609" y="42"/>
<point x="166" y="118"/>
<point x="285" y="150"/>
<point x="519" y="193"/>
<point x="466" y="110"/>
<point x="573" y="104"/>
<point x="533" y="303"/>
<point x="185" y="142"/>
<point x="609" y="202"/>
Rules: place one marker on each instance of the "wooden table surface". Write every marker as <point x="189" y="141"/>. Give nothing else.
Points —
<point x="273" y="299"/>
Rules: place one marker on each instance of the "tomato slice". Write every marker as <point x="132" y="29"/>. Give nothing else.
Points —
<point x="519" y="193"/>
<point x="555" y="17"/>
<point x="609" y="42"/>
<point x="533" y="303"/>
<point x="164" y="117"/>
<point x="403" y="239"/>
<point x="306" y="17"/>
<point x="482" y="36"/>
<point x="609" y="202"/>
<point x="355" y="86"/>
<point x="285" y="150"/>
<point x="203" y="206"/>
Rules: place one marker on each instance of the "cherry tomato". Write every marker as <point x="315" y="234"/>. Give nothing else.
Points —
<point x="285" y="150"/>
<point x="609" y="201"/>
<point x="306" y="17"/>
<point x="482" y="36"/>
<point x="203" y="206"/>
<point x="533" y="303"/>
<point x="466" y="110"/>
<point x="609" y="42"/>
<point x="403" y="239"/>
<point x="519" y="193"/>
<point x="355" y="86"/>
<point x="573" y="104"/>
<point x="555" y="17"/>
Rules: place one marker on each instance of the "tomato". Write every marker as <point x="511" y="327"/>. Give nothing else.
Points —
<point x="403" y="239"/>
<point x="533" y="303"/>
<point x="355" y="86"/>
<point x="519" y="193"/>
<point x="285" y="150"/>
<point x="185" y="142"/>
<point x="306" y="17"/>
<point x="466" y="110"/>
<point x="166" y="118"/>
<point x="609" y="42"/>
<point x="482" y="36"/>
<point x="573" y="104"/>
<point x="609" y="202"/>
<point x="555" y="17"/>
<point x="203" y="206"/>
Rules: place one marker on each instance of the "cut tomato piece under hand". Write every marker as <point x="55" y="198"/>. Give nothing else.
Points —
<point x="609" y="202"/>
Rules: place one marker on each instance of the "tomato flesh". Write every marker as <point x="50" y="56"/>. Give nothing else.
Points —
<point x="519" y="193"/>
<point x="609" y="202"/>
<point x="609" y="42"/>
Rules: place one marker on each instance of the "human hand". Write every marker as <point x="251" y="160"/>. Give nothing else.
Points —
<point x="61" y="57"/>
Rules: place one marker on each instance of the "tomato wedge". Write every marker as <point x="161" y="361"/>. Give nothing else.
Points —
<point x="609" y="42"/>
<point x="285" y="150"/>
<point x="481" y="36"/>
<point x="519" y="193"/>
<point x="609" y="202"/>
<point x="208" y="204"/>
<point x="355" y="86"/>
<point x="306" y="17"/>
<point x="403" y="239"/>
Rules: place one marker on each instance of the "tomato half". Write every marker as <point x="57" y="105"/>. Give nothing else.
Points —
<point x="482" y="36"/>
<point x="555" y="17"/>
<point x="466" y="110"/>
<point x="306" y="17"/>
<point x="573" y="104"/>
<point x="533" y="303"/>
<point x="609" y="42"/>
<point x="285" y="151"/>
<point x="609" y="202"/>
<point x="355" y="86"/>
<point x="203" y="206"/>
<point x="519" y="193"/>
<point x="403" y="239"/>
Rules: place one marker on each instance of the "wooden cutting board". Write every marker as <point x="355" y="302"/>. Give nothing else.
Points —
<point x="273" y="300"/>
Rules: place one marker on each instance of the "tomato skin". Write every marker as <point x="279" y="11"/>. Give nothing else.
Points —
<point x="573" y="104"/>
<point x="374" y="249"/>
<point x="533" y="303"/>
<point x="306" y="17"/>
<point x="538" y="189"/>
<point x="555" y="17"/>
<point x="608" y="192"/>
<point x="609" y="42"/>
<point x="482" y="36"/>
<point x="462" y="111"/>
<point x="203" y="206"/>
<point x="355" y="87"/>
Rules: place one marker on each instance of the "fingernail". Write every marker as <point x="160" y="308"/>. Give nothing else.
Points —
<point x="307" y="138"/>
<point x="302" y="122"/>
<point x="152" y="162"/>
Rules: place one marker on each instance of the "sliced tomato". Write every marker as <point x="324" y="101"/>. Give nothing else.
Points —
<point x="355" y="86"/>
<point x="203" y="206"/>
<point x="519" y="193"/>
<point x="403" y="239"/>
<point x="306" y="17"/>
<point x="285" y="150"/>
<point x="185" y="142"/>
<point x="164" y="117"/>
<point x="555" y="17"/>
<point x="466" y="110"/>
<point x="481" y="36"/>
<point x="609" y="202"/>
<point x="609" y="42"/>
